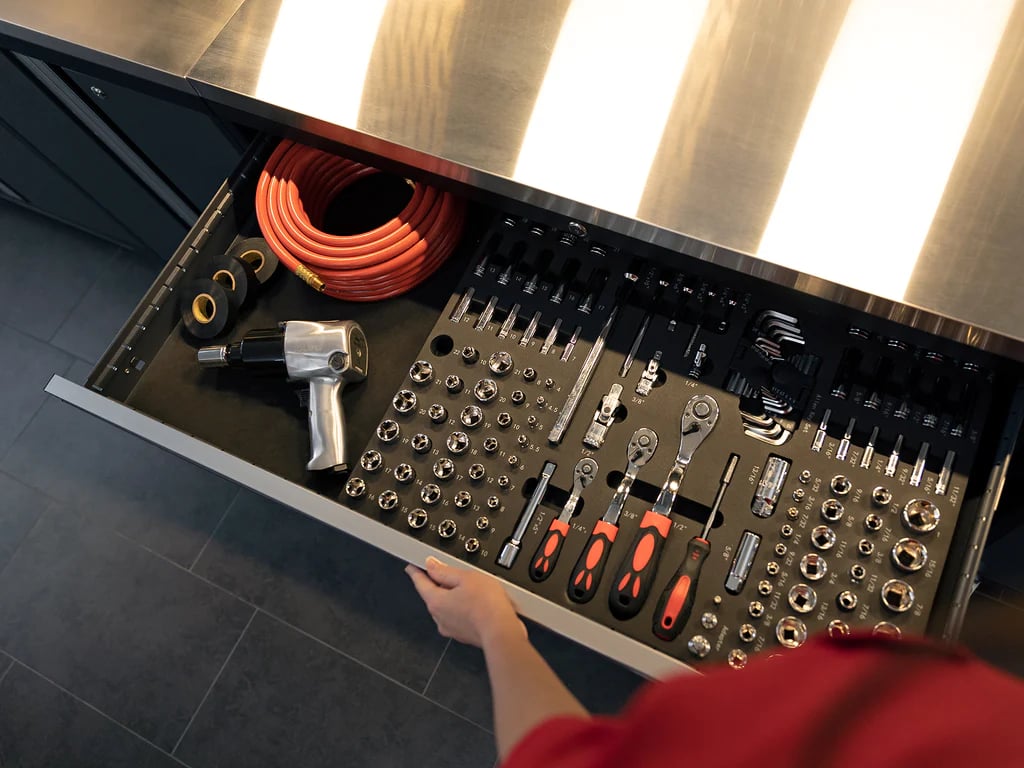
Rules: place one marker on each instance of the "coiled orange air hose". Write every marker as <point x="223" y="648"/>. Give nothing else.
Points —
<point x="295" y="188"/>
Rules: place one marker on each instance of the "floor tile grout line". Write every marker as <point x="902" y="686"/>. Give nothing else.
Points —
<point x="376" y="671"/>
<point x="437" y="666"/>
<point x="184" y="569"/>
<point x="10" y="664"/>
<point x="301" y="631"/>
<point x="215" y="679"/>
<point x="36" y="524"/>
<point x="99" y="275"/>
<point x="227" y="511"/>
<point x="97" y="710"/>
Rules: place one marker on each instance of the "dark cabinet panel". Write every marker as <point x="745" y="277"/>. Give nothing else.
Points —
<point x="43" y="186"/>
<point x="33" y="114"/>
<point x="183" y="141"/>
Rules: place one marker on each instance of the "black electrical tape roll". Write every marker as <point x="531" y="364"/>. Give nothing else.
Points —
<point x="237" y="277"/>
<point x="255" y="252"/>
<point x="206" y="309"/>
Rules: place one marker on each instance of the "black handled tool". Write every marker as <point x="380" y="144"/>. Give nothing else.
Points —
<point x="633" y="581"/>
<point x="551" y="546"/>
<point x="586" y="574"/>
<point x="676" y="601"/>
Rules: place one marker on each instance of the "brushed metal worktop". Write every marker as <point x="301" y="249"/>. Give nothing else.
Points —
<point x="865" y="151"/>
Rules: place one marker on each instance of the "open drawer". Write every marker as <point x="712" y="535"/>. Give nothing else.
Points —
<point x="805" y="506"/>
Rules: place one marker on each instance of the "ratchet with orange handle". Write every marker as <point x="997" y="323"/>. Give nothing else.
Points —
<point x="636" y="574"/>
<point x="676" y="602"/>
<point x="551" y="545"/>
<point x="586" y="575"/>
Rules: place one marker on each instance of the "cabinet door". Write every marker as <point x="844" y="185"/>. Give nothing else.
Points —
<point x="33" y="114"/>
<point x="178" y="137"/>
<point x="44" y="187"/>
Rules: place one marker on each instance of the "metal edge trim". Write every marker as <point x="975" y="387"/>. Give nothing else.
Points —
<point x="986" y="512"/>
<point x="605" y="641"/>
<point x="888" y="309"/>
<point x="18" y="35"/>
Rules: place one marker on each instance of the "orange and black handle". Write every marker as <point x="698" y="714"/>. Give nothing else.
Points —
<point x="633" y="582"/>
<point x="586" y="575"/>
<point x="676" y="601"/>
<point x="547" y="553"/>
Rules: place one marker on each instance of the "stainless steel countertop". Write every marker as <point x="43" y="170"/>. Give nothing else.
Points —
<point x="862" y="150"/>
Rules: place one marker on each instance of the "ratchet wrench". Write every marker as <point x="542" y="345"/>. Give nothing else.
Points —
<point x="586" y="574"/>
<point x="636" y="574"/>
<point x="551" y="546"/>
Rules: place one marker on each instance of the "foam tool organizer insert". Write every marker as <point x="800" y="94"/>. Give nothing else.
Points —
<point x="832" y="460"/>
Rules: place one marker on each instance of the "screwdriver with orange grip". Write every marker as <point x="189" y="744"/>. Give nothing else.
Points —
<point x="586" y="575"/>
<point x="676" y="601"/>
<point x="636" y="574"/>
<point x="551" y="545"/>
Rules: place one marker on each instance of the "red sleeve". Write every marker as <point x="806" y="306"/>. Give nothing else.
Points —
<point x="854" y="702"/>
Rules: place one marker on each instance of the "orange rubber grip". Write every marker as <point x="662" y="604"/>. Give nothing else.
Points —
<point x="636" y="573"/>
<point x="547" y="553"/>
<point x="586" y="575"/>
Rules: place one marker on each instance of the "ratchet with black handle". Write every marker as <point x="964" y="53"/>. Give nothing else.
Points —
<point x="636" y="574"/>
<point x="586" y="574"/>
<point x="551" y="545"/>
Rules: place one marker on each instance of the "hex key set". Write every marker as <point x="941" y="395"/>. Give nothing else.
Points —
<point x="705" y="462"/>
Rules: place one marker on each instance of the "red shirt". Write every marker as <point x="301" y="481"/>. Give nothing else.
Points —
<point x="852" y="702"/>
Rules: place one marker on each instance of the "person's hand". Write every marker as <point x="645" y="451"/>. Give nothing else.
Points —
<point x="467" y="605"/>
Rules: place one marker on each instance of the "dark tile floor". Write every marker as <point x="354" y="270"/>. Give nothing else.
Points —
<point x="153" y="614"/>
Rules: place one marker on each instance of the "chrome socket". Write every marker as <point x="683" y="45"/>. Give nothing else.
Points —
<point x="421" y="443"/>
<point x="881" y="496"/>
<point x="846" y="600"/>
<point x="453" y="384"/>
<point x="482" y="523"/>
<point x="447" y="528"/>
<point x="813" y="566"/>
<point x="897" y="595"/>
<point x="371" y="461"/>
<point x="699" y="646"/>
<point x="909" y="555"/>
<point x="791" y="632"/>
<point x="823" y="538"/>
<point x="737" y="659"/>
<point x="485" y="390"/>
<point x="802" y="598"/>
<point x="865" y="548"/>
<point x="748" y="633"/>
<point x="471" y="416"/>
<point x="472" y="545"/>
<point x="438" y="413"/>
<point x="476" y="471"/>
<point x="873" y="522"/>
<point x="500" y="363"/>
<point x="355" y="488"/>
<point x="463" y="499"/>
<point x="417" y="518"/>
<point x="920" y="515"/>
<point x="840" y="485"/>
<point x="430" y="494"/>
<point x="388" y="431"/>
<point x="490" y="444"/>
<point x="493" y="502"/>
<point x="458" y="443"/>
<point x="504" y="419"/>
<point x="444" y="468"/>
<point x="421" y="372"/>
<point x="387" y="500"/>
<point x="832" y="510"/>
<point x="404" y="473"/>
<point x="404" y="401"/>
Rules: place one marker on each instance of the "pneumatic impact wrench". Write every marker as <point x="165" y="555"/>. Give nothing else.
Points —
<point x="327" y="354"/>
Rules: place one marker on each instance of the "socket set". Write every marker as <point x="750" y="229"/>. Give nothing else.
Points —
<point x="705" y="462"/>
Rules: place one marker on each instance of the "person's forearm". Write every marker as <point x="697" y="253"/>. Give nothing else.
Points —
<point x="524" y="689"/>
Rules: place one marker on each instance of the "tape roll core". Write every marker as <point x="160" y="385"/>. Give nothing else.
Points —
<point x="257" y="254"/>
<point x="207" y="310"/>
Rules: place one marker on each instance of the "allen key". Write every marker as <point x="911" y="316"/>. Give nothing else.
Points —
<point x="510" y="322"/>
<point x="819" y="436"/>
<point x="922" y="458"/>
<point x="844" y="444"/>
<point x="552" y="337"/>
<point x="942" y="484"/>
<point x="571" y="344"/>
<point x="869" y="451"/>
<point x="462" y="306"/>
<point x="894" y="458"/>
<point x="530" y="330"/>
<point x="485" y="316"/>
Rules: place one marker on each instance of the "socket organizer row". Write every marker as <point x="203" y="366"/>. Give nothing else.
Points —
<point x="705" y="462"/>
